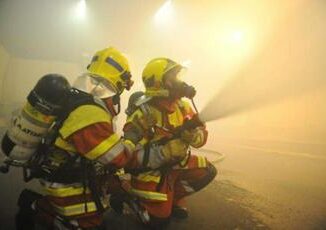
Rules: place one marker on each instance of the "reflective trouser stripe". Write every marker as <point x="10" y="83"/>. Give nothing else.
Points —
<point x="187" y="186"/>
<point x="64" y="192"/>
<point x="149" y="195"/>
<point x="76" y="209"/>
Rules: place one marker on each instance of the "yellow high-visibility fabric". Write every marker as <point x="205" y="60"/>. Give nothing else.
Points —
<point x="64" y="192"/>
<point x="145" y="177"/>
<point x="103" y="147"/>
<point x="83" y="116"/>
<point x="64" y="145"/>
<point x="76" y="209"/>
<point x="201" y="162"/>
<point x="149" y="195"/>
<point x="175" y="119"/>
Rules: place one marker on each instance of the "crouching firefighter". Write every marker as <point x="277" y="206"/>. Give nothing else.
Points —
<point x="77" y="161"/>
<point x="161" y="125"/>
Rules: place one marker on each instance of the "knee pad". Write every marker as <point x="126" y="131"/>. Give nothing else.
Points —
<point x="204" y="181"/>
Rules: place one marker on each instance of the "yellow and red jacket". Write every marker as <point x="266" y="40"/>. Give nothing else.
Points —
<point x="87" y="131"/>
<point x="166" y="117"/>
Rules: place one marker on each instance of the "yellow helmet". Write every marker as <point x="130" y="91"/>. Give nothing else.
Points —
<point x="154" y="75"/>
<point x="111" y="65"/>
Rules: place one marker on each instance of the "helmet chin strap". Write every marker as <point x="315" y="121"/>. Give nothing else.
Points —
<point x="111" y="103"/>
<point x="116" y="101"/>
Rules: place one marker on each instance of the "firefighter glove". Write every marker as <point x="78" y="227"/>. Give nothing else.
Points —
<point x="175" y="149"/>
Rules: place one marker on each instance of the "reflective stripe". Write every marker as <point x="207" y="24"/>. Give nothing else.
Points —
<point x="185" y="160"/>
<point x="129" y="145"/>
<point x="115" y="64"/>
<point x="83" y="116"/>
<point x="58" y="185"/>
<point x="103" y="147"/>
<point x="59" y="142"/>
<point x="64" y="192"/>
<point x="76" y="209"/>
<point x="149" y="195"/>
<point x="112" y="153"/>
<point x="187" y="186"/>
<point x="201" y="162"/>
<point x="147" y="178"/>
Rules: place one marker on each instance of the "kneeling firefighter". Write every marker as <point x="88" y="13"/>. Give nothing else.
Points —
<point x="81" y="151"/>
<point x="165" y="126"/>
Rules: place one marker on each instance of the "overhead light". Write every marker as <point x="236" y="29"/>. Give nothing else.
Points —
<point x="164" y="14"/>
<point x="80" y="10"/>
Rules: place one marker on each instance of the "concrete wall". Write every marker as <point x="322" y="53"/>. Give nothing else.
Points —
<point x="4" y="60"/>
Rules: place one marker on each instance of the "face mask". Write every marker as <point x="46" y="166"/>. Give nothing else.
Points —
<point x="181" y="89"/>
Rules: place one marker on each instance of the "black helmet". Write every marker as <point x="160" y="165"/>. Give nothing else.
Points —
<point x="49" y="94"/>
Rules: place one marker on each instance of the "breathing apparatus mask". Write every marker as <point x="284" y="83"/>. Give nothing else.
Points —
<point x="177" y="88"/>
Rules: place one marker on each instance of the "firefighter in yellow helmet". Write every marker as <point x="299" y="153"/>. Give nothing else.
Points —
<point x="164" y="171"/>
<point x="85" y="147"/>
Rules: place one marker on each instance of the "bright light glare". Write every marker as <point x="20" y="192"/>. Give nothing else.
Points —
<point x="164" y="14"/>
<point x="186" y="64"/>
<point x="236" y="37"/>
<point x="80" y="10"/>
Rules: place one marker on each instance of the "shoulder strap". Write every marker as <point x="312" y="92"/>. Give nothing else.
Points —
<point x="75" y="99"/>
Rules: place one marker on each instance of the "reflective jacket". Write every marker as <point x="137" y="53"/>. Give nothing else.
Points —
<point x="89" y="132"/>
<point x="158" y="124"/>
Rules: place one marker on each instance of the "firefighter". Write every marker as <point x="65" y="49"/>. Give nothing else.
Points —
<point x="85" y="148"/>
<point x="163" y="169"/>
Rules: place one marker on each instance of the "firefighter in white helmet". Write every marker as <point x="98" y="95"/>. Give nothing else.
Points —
<point x="164" y="171"/>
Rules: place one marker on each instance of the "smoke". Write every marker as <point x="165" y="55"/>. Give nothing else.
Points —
<point x="291" y="64"/>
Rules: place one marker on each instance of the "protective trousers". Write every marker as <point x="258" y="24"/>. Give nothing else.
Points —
<point x="159" y="191"/>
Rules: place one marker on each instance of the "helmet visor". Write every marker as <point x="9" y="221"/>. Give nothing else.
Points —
<point x="95" y="85"/>
<point x="173" y="76"/>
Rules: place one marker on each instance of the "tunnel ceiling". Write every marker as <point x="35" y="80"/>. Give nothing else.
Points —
<point x="44" y="29"/>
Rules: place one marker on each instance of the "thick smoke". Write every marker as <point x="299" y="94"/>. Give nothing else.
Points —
<point x="292" y="63"/>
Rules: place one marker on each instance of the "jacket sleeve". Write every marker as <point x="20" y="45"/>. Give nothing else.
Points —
<point x="195" y="137"/>
<point x="99" y="142"/>
<point x="136" y="130"/>
<point x="89" y="130"/>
